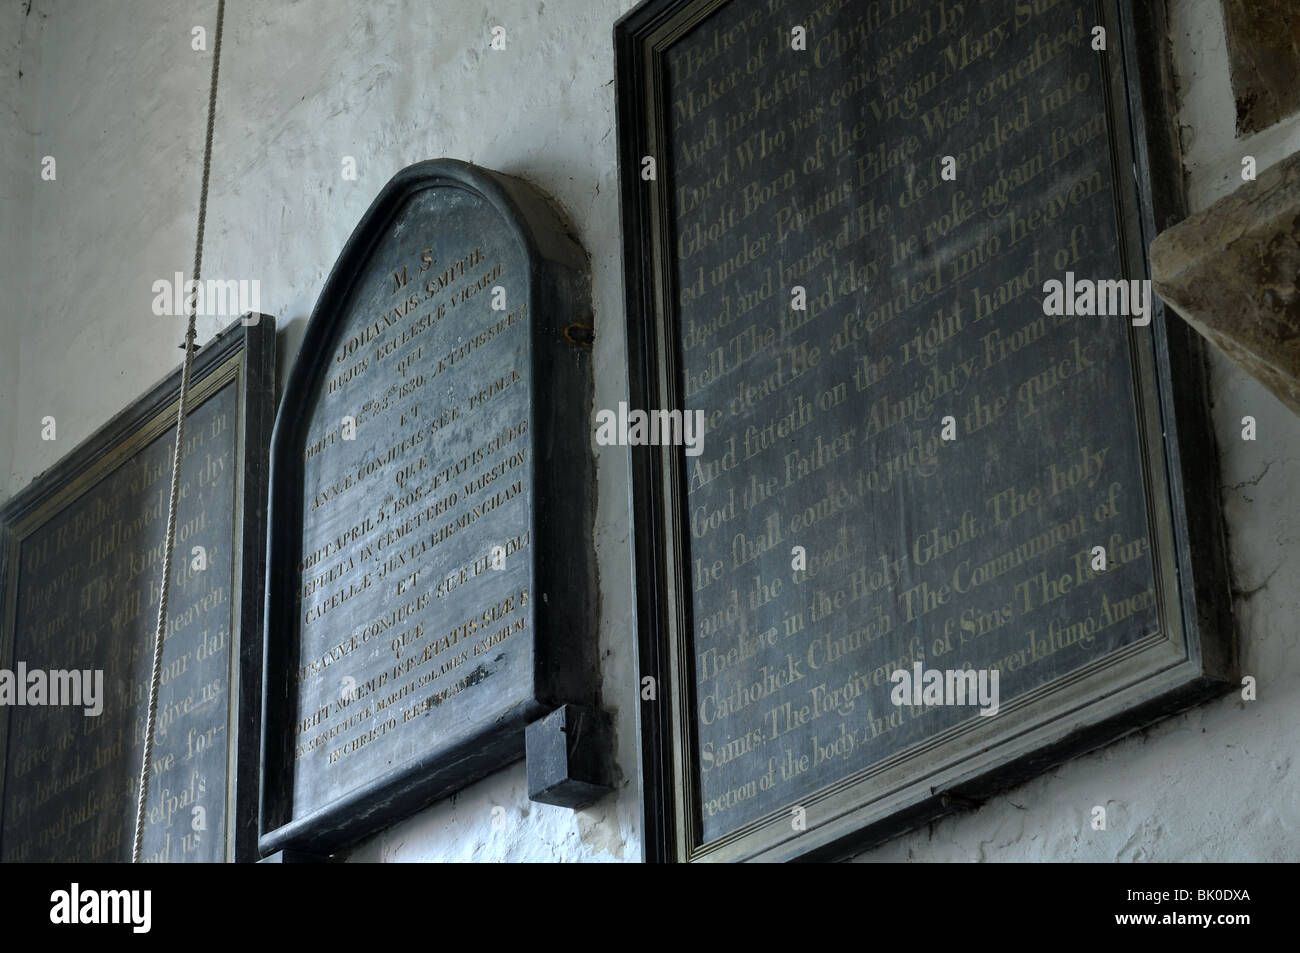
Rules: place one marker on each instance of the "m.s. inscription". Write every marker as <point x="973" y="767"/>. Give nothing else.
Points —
<point x="420" y="432"/>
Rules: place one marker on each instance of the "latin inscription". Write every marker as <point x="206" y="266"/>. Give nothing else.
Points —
<point x="414" y="575"/>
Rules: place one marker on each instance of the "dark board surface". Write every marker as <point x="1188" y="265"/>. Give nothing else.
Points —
<point x="84" y="549"/>
<point x="409" y="643"/>
<point x="821" y="168"/>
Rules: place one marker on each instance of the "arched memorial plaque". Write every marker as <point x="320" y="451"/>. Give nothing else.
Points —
<point x="430" y="583"/>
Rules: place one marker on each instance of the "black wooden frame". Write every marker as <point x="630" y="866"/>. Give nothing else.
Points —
<point x="244" y="353"/>
<point x="1141" y="82"/>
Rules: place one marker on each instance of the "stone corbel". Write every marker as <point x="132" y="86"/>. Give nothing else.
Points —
<point x="1232" y="272"/>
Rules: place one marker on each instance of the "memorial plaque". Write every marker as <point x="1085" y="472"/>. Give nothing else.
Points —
<point x="915" y="475"/>
<point x="431" y="582"/>
<point x="81" y="551"/>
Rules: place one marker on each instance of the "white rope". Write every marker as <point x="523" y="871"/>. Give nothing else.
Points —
<point x="176" y="456"/>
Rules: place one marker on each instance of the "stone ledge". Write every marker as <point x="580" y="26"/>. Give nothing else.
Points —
<point x="1232" y="272"/>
